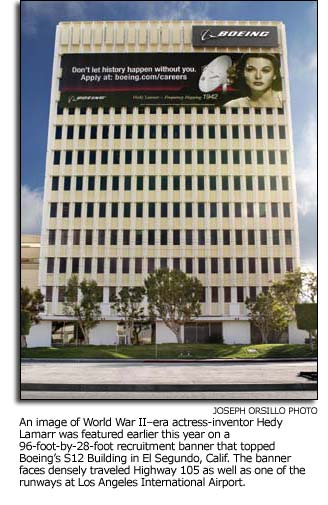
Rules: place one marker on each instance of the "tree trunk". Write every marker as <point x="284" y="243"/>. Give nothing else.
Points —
<point x="311" y="340"/>
<point x="23" y="341"/>
<point x="178" y="335"/>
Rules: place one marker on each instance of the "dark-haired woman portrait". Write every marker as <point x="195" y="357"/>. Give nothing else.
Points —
<point x="257" y="76"/>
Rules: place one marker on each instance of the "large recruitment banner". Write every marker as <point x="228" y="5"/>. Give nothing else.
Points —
<point x="232" y="79"/>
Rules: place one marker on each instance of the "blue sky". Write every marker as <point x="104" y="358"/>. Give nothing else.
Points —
<point x="39" y="19"/>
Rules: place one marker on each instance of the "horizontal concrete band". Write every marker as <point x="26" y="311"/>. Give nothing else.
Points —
<point x="167" y="387"/>
<point x="160" y="361"/>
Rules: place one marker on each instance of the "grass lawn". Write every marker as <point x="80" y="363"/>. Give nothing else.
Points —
<point x="172" y="351"/>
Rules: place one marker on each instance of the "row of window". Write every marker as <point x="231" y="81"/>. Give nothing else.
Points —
<point x="192" y="265"/>
<point x="163" y="110"/>
<point x="175" y="157"/>
<point x="130" y="131"/>
<point x="174" y="237"/>
<point x="175" y="182"/>
<point x="211" y="296"/>
<point x="176" y="209"/>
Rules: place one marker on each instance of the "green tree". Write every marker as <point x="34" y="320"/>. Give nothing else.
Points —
<point x="173" y="297"/>
<point x="307" y="319"/>
<point x="269" y="315"/>
<point x="32" y="305"/>
<point x="86" y="307"/>
<point x="128" y="305"/>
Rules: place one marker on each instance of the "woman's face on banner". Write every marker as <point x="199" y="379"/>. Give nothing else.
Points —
<point x="259" y="73"/>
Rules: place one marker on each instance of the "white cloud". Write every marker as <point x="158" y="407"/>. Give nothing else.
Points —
<point x="31" y="210"/>
<point x="306" y="166"/>
<point x="36" y="13"/>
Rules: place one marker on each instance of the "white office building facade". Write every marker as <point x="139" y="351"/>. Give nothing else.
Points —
<point x="149" y="172"/>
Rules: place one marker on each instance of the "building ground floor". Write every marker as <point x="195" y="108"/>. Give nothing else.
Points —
<point x="62" y="331"/>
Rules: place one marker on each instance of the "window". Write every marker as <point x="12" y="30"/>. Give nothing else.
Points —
<point x="141" y="131"/>
<point x="58" y="132"/>
<point x="164" y="182"/>
<point x="264" y="265"/>
<point x="127" y="209"/>
<point x="200" y="183"/>
<point x="114" y="209"/>
<point x="176" y="131"/>
<point x="88" y="237"/>
<point x="64" y="237"/>
<point x="125" y="265"/>
<point x="263" y="237"/>
<point x="225" y="209"/>
<point x="189" y="267"/>
<point x="274" y="209"/>
<point x="65" y="212"/>
<point x="200" y="132"/>
<point x="176" y="209"/>
<point x="102" y="209"/>
<point x="288" y="237"/>
<point x="117" y="131"/>
<point x="224" y="157"/>
<point x="62" y="265"/>
<point x="239" y="237"/>
<point x="176" y="157"/>
<point x="176" y="263"/>
<point x="93" y="132"/>
<point x="272" y="157"/>
<point x="151" y="237"/>
<point x="226" y="237"/>
<point x="236" y="183"/>
<point x="100" y="265"/>
<point x="201" y="265"/>
<point x="258" y="132"/>
<point x="275" y="237"/>
<point x="128" y="157"/>
<point x="163" y="263"/>
<point x="103" y="183"/>
<point x="49" y="290"/>
<point x="152" y="131"/>
<point x="91" y="183"/>
<point x="139" y="209"/>
<point x="139" y="183"/>
<point x="52" y="237"/>
<point x="56" y="158"/>
<point x="188" y="131"/>
<point x="152" y="156"/>
<point x="80" y="157"/>
<point x="212" y="157"/>
<point x="151" y="265"/>
<point x="239" y="265"/>
<point x="223" y="131"/>
<point x="164" y="132"/>
<point x="273" y="183"/>
<point x="235" y="157"/>
<point x="249" y="183"/>
<point x="215" y="294"/>
<point x="113" y="237"/>
<point x="127" y="183"/>
<point x="164" y="157"/>
<point x="188" y="182"/>
<point x="115" y="183"/>
<point x="128" y="132"/>
<point x="163" y="237"/>
<point x="282" y="132"/>
<point x="176" y="237"/>
<point x="214" y="237"/>
<point x="116" y="157"/>
<point x="201" y="209"/>
<point x="227" y="294"/>
<point x="151" y="209"/>
<point x="50" y="265"/>
<point x="70" y="132"/>
<point x="251" y="265"/>
<point x="259" y="157"/>
<point x="270" y="132"/>
<point x="79" y="183"/>
<point x="289" y="264"/>
<point x="247" y="132"/>
<point x="163" y="209"/>
<point x="283" y="157"/>
<point x="213" y="209"/>
<point x="112" y="265"/>
<point x="235" y="132"/>
<point x="188" y="157"/>
<point x="285" y="183"/>
<point x="61" y="292"/>
<point x="211" y="132"/>
<point x="101" y="237"/>
<point x="105" y="132"/>
<point x="250" y="209"/>
<point x="225" y="183"/>
<point x="152" y="183"/>
<point x="276" y="265"/>
<point x="214" y="266"/>
<point x="90" y="209"/>
<point x="238" y="209"/>
<point x="262" y="210"/>
<point x="138" y="266"/>
<point x="92" y="157"/>
<point x="240" y="294"/>
<point x="59" y="110"/>
<point x="212" y="183"/>
<point x="201" y="237"/>
<point x="226" y="265"/>
<point x="248" y="157"/>
<point x="251" y="237"/>
<point x="176" y="182"/>
<point x="188" y="237"/>
<point x="286" y="209"/>
<point x="112" y="293"/>
<point x="252" y="293"/>
<point x="68" y="157"/>
<point x="126" y="237"/>
<point x="55" y="183"/>
<point x="261" y="185"/>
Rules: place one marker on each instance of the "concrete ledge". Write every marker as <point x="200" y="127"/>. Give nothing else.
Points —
<point x="168" y="387"/>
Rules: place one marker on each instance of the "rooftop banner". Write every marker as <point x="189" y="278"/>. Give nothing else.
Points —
<point x="170" y="79"/>
<point x="234" y="36"/>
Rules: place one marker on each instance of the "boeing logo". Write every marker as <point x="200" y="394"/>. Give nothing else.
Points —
<point x="208" y="35"/>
